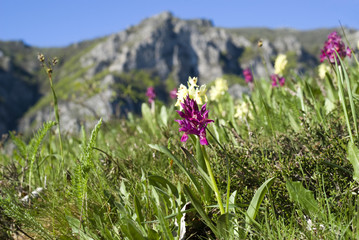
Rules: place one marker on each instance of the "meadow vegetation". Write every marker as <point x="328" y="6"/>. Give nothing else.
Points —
<point x="280" y="163"/>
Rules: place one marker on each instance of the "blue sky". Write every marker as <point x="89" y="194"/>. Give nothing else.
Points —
<point x="60" y="23"/>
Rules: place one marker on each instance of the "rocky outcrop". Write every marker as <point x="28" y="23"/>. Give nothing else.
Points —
<point x="16" y="94"/>
<point x="168" y="46"/>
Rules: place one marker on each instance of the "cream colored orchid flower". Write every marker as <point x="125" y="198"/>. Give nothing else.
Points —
<point x="242" y="111"/>
<point x="181" y="95"/>
<point x="199" y="94"/>
<point x="192" y="82"/>
<point x="195" y="93"/>
<point x="280" y="64"/>
<point x="219" y="89"/>
<point x="322" y="70"/>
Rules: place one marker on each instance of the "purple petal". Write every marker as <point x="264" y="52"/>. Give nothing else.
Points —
<point x="203" y="141"/>
<point x="184" y="137"/>
<point x="203" y="109"/>
<point x="182" y="114"/>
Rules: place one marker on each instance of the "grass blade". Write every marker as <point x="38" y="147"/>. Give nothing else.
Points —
<point x="179" y="164"/>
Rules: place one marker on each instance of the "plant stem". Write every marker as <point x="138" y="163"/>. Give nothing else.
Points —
<point x="30" y="175"/>
<point x="57" y="117"/>
<point x="210" y="172"/>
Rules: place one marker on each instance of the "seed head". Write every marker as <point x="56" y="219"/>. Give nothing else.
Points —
<point x="260" y="43"/>
<point x="48" y="70"/>
<point x="54" y="61"/>
<point x="41" y="57"/>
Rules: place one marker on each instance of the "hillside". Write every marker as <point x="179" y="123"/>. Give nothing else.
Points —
<point x="108" y="77"/>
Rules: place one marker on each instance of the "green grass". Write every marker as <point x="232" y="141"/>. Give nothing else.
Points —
<point x="287" y="172"/>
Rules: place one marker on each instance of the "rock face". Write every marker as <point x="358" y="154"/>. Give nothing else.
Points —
<point x="16" y="95"/>
<point x="164" y="46"/>
<point x="168" y="46"/>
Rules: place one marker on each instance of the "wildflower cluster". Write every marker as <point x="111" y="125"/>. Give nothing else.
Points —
<point x="279" y="67"/>
<point x="332" y="45"/>
<point x="248" y="75"/>
<point x="193" y="91"/>
<point x="194" y="120"/>
<point x="151" y="94"/>
<point x="242" y="111"/>
<point x="219" y="89"/>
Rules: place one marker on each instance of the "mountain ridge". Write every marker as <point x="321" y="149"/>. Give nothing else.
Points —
<point x="108" y="76"/>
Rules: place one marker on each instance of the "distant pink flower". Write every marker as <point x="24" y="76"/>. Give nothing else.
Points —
<point x="194" y="120"/>
<point x="151" y="94"/>
<point x="277" y="79"/>
<point x="248" y="75"/>
<point x="334" y="43"/>
<point x="173" y="93"/>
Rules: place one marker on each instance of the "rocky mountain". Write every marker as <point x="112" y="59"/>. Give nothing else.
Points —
<point x="17" y="90"/>
<point x="108" y="77"/>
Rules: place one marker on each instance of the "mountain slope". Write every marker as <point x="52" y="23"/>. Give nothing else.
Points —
<point x="108" y="77"/>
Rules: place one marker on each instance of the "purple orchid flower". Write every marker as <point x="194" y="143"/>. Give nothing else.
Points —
<point x="334" y="43"/>
<point x="173" y="93"/>
<point x="194" y="120"/>
<point x="151" y="94"/>
<point x="248" y="75"/>
<point x="277" y="79"/>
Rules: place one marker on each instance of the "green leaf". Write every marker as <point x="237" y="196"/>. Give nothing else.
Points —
<point x="202" y="170"/>
<point x="339" y="73"/>
<point x="257" y="200"/>
<point x="131" y="231"/>
<point x="147" y="115"/>
<point x="152" y="234"/>
<point x="178" y="162"/>
<point x="232" y="199"/>
<point x="296" y="127"/>
<point x="138" y="211"/>
<point x="37" y="139"/>
<point x="77" y="228"/>
<point x="301" y="98"/>
<point x="350" y="94"/>
<point x="331" y="91"/>
<point x="303" y="197"/>
<point x="164" y="115"/>
<point x="21" y="146"/>
<point x="156" y="180"/>
<point x="329" y="106"/>
<point x="353" y="157"/>
<point x="215" y="130"/>
<point x="225" y="226"/>
<point x="160" y="216"/>
<point x="198" y="206"/>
